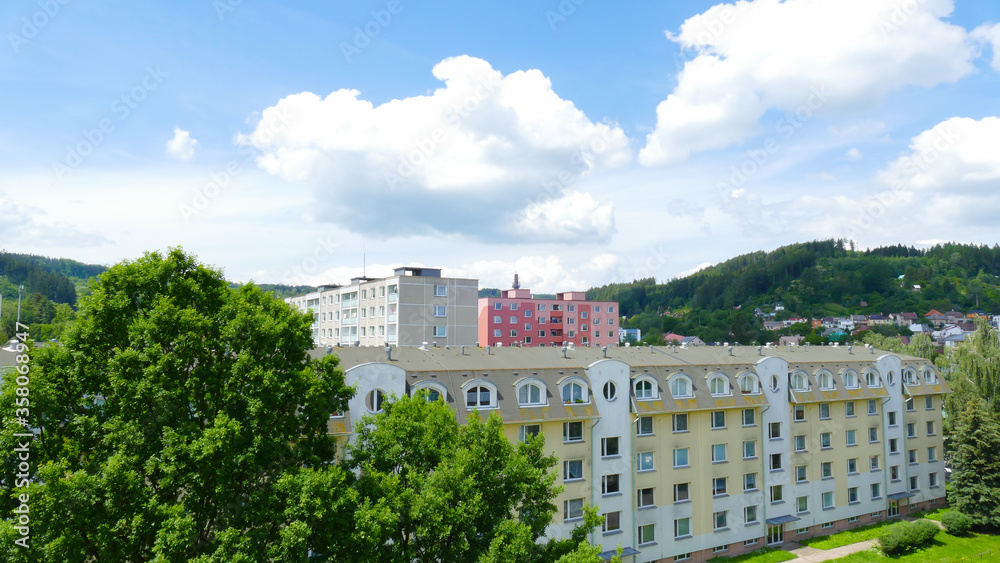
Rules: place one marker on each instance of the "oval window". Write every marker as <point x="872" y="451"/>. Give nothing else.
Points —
<point x="610" y="391"/>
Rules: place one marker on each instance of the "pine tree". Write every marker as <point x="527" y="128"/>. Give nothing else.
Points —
<point x="975" y="483"/>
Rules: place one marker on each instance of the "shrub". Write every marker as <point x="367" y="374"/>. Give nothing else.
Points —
<point x="906" y="536"/>
<point x="956" y="523"/>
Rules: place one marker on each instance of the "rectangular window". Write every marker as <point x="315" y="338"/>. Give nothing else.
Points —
<point x="911" y="430"/>
<point x="749" y="481"/>
<point x="528" y="430"/>
<point x="894" y="445"/>
<point x="611" y="308"/>
<point x="682" y="527"/>
<point x="749" y="449"/>
<point x="799" y="413"/>
<point x="825" y="440"/>
<point x="541" y="333"/>
<point x="644" y="426"/>
<point x="680" y="457"/>
<point x="497" y="306"/>
<point x="777" y="494"/>
<point x="827" y="500"/>
<point x="527" y="326"/>
<point x="852" y="437"/>
<point x="873" y="462"/>
<point x="612" y="522"/>
<point x="873" y="434"/>
<point x="872" y="407"/>
<point x="572" y="431"/>
<point x="852" y="466"/>
<point x="718" y="452"/>
<point x="909" y="404"/>
<point x="914" y="483"/>
<point x="609" y="447"/>
<point x="826" y="469"/>
<point x="720" y="519"/>
<point x="849" y="408"/>
<point x="824" y="411"/>
<point x="610" y="484"/>
<point x="775" y="462"/>
<point x="680" y="422"/>
<point x="827" y="525"/>
<point x="932" y="479"/>
<point x="513" y="320"/>
<point x="573" y="470"/>
<point x="646" y="535"/>
<point x="719" y="486"/>
<point x="644" y="497"/>
<point x="930" y="427"/>
<point x="513" y="333"/>
<point x="682" y="492"/>
<point x="644" y="461"/>
<point x="929" y="402"/>
<point x="892" y="418"/>
<point x="800" y="473"/>
<point x="440" y="331"/>
<point x="583" y="314"/>
<point x="571" y="321"/>
<point x="750" y="516"/>
<point x="573" y="509"/>
<point x="774" y="430"/>
<point x="496" y="333"/>
<point x="513" y="307"/>
<point x="932" y="454"/>
<point x="440" y="291"/>
<point x="802" y="504"/>
<point x="718" y="419"/>
<point x="527" y="312"/>
<point x="800" y="443"/>
<point x="571" y="308"/>
<point x="541" y="306"/>
<point x="876" y="490"/>
<point x="853" y="519"/>
<point x="911" y="456"/>
<point x="894" y="472"/>
<point x="749" y="417"/>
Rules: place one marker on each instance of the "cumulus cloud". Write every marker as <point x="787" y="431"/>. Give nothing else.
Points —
<point x="830" y="54"/>
<point x="182" y="146"/>
<point x="542" y="274"/>
<point x="24" y="224"/>
<point x="476" y="156"/>
<point x="990" y="34"/>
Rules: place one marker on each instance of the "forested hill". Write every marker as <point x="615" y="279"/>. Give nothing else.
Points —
<point x="827" y="277"/>
<point x="50" y="277"/>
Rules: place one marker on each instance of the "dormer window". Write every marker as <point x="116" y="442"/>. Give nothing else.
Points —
<point x="718" y="384"/>
<point x="680" y="386"/>
<point x="480" y="394"/>
<point x="825" y="380"/>
<point x="749" y="384"/>
<point x="930" y="376"/>
<point x="872" y="378"/>
<point x="851" y="379"/>
<point x="529" y="394"/>
<point x="800" y="382"/>
<point x="645" y="389"/>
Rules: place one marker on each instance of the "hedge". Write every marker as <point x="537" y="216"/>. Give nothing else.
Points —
<point x="905" y="536"/>
<point x="956" y="523"/>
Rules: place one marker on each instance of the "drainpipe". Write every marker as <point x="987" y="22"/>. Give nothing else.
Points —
<point x="763" y="463"/>
<point x="594" y="453"/>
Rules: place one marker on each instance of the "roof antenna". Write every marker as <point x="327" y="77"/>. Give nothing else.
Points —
<point x="516" y="284"/>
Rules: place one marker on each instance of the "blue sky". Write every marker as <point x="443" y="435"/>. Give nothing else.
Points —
<point x="577" y="142"/>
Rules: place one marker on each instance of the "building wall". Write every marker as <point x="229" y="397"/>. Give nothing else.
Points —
<point x="574" y="319"/>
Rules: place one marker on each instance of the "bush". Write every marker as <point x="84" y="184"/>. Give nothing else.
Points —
<point x="906" y="536"/>
<point x="956" y="523"/>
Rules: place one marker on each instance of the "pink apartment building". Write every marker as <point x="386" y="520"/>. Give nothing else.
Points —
<point x="518" y="319"/>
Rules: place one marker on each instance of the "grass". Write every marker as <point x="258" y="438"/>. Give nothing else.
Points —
<point x="847" y="537"/>
<point x="934" y="514"/>
<point x="944" y="549"/>
<point x="763" y="555"/>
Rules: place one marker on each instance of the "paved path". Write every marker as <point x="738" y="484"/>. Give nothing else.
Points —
<point x="806" y="554"/>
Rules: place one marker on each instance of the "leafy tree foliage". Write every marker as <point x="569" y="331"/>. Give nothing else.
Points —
<point x="180" y="420"/>
<point x="975" y="482"/>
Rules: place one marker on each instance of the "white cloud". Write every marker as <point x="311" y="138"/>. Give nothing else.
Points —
<point x="694" y="270"/>
<point x="182" y="146"/>
<point x="990" y="34"/>
<point x="574" y="216"/>
<point x="26" y="226"/>
<point x="829" y="54"/>
<point x="471" y="157"/>
<point x="853" y="154"/>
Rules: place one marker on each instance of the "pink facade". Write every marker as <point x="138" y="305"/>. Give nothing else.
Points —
<point x="516" y="318"/>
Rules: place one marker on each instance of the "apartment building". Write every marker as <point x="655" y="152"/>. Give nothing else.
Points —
<point x="413" y="306"/>
<point x="516" y="318"/>
<point x="693" y="453"/>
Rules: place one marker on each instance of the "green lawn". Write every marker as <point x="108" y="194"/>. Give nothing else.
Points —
<point x="944" y="548"/>
<point x="934" y="514"/>
<point x="847" y="537"/>
<point x="765" y="555"/>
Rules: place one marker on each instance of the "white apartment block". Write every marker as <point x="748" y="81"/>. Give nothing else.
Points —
<point x="409" y="308"/>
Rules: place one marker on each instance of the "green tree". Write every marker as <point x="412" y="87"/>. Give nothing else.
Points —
<point x="975" y="482"/>
<point x="180" y="420"/>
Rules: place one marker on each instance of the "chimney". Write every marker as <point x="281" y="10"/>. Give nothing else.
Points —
<point x="604" y="350"/>
<point x="388" y="353"/>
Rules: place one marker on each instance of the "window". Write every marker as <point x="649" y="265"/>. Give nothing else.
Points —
<point x="826" y="469"/>
<point x="775" y="462"/>
<point x="718" y="419"/>
<point x="644" y="461"/>
<point x="680" y="457"/>
<point x="571" y="321"/>
<point x="573" y="509"/>
<point x="528" y="430"/>
<point x="929" y="376"/>
<point x="894" y="472"/>
<point x="375" y="400"/>
<point x="720" y="519"/>
<point x="892" y="418"/>
<point x="747" y="543"/>
<point x="680" y="386"/>
<point x="774" y="430"/>
<point x="719" y="486"/>
<point x="914" y="483"/>
<point x="873" y="434"/>
<point x="825" y="440"/>
<point x="852" y="437"/>
<point x="799" y="381"/>
<point x="876" y="490"/>
<point x="911" y="456"/>
<point x="573" y="470"/>
<point x="527" y="327"/>
<point x="440" y="311"/>
<point x="749" y="481"/>
<point x="799" y="413"/>
<point x="513" y="319"/>
<point x="610" y="390"/>
<point x="680" y="422"/>
<point x="800" y="473"/>
<point x="496" y="333"/>
<point x="571" y="308"/>
<point x="611" y="308"/>
<point x="682" y="492"/>
<point x="478" y="396"/>
<point x="646" y="535"/>
<point x="825" y="380"/>
<point x="513" y="333"/>
<point x="644" y="389"/>
<point x="644" y="426"/>
<point x="824" y="410"/>
<point x="749" y="417"/>
<point x="777" y="494"/>
<point x="682" y="527"/>
<point x="851" y="379"/>
<point x="497" y="306"/>
<point x="802" y="504"/>
<point x="893" y="445"/>
<point x="750" y="516"/>
<point x="574" y="393"/>
<point x="827" y="525"/>
<point x="442" y="291"/>
<point x="800" y="443"/>
<point x="583" y="314"/>
<point x="749" y="449"/>
<point x="909" y="404"/>
<point x="529" y="394"/>
<point x="849" y="408"/>
<point x="871" y="378"/>
<point x="873" y="462"/>
<point x="930" y="427"/>
<point x="610" y="484"/>
<point x="718" y="453"/>
<point x="527" y="312"/>
<point x="827" y="500"/>
<point x="644" y="497"/>
<point x="541" y="306"/>
<point x="612" y="522"/>
<point x="853" y="519"/>
<point x="932" y="454"/>
<point x="609" y="447"/>
<point x="872" y="407"/>
<point x="718" y="385"/>
<point x="572" y="431"/>
<point x="749" y="384"/>
<point x="929" y="402"/>
<point x="911" y="430"/>
<point x="932" y="480"/>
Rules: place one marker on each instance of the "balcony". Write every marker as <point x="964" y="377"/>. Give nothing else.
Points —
<point x="349" y="322"/>
<point x="392" y="317"/>
<point x="392" y="297"/>
<point x="348" y="303"/>
<point x="555" y="320"/>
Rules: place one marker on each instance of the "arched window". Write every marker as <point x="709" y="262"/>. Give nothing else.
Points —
<point x="529" y="394"/>
<point x="433" y="391"/>
<point x="610" y="391"/>
<point x="573" y="392"/>
<point x="644" y="389"/>
<point x="930" y="376"/>
<point x="800" y="382"/>
<point x="375" y="400"/>
<point x="478" y="396"/>
<point x="910" y="376"/>
<point x="825" y="379"/>
<point x="851" y="379"/>
<point x="872" y="378"/>
<point x="749" y="384"/>
<point x="680" y="386"/>
<point x="718" y="384"/>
